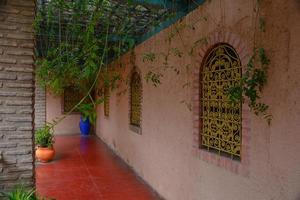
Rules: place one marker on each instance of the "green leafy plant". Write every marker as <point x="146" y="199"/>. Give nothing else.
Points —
<point x="262" y="24"/>
<point x="20" y="193"/>
<point x="253" y="80"/>
<point x="77" y="53"/>
<point x="88" y="110"/>
<point x="149" y="56"/>
<point x="252" y="83"/>
<point x="154" y="78"/>
<point x="76" y="41"/>
<point x="44" y="136"/>
<point x="255" y="76"/>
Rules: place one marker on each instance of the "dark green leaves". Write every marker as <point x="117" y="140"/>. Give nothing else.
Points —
<point x="252" y="83"/>
<point x="44" y="136"/>
<point x="153" y="78"/>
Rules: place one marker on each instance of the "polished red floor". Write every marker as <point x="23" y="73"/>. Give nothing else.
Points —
<point x="85" y="169"/>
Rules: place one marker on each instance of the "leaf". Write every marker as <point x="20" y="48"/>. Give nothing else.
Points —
<point x="150" y="56"/>
<point x="262" y="24"/>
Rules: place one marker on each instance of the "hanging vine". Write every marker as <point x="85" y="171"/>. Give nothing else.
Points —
<point x="256" y="74"/>
<point x="253" y="80"/>
<point x="72" y="52"/>
<point x="76" y="41"/>
<point x="84" y="27"/>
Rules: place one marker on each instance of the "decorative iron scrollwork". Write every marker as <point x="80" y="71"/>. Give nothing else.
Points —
<point x="135" y="99"/>
<point x="221" y="120"/>
<point x="106" y="101"/>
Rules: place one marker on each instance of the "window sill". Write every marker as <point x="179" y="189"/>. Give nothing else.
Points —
<point x="135" y="129"/>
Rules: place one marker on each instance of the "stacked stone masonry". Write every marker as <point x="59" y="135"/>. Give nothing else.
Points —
<point x="39" y="106"/>
<point x="16" y="93"/>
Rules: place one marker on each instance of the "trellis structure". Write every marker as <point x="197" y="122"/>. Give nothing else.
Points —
<point x="139" y="19"/>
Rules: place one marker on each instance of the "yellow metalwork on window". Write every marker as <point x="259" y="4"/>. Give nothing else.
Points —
<point x="135" y="99"/>
<point x="221" y="120"/>
<point x="106" y="101"/>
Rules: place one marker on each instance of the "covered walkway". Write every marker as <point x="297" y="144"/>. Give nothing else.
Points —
<point x="85" y="169"/>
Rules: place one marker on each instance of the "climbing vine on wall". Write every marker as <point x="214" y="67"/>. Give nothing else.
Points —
<point x="77" y="53"/>
<point x="254" y="77"/>
<point x="256" y="74"/>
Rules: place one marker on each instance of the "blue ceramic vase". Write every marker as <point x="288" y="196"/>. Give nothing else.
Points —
<point x="84" y="126"/>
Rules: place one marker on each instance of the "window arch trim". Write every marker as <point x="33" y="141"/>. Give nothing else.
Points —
<point x="135" y="101"/>
<point x="244" y="51"/>
<point x="220" y="128"/>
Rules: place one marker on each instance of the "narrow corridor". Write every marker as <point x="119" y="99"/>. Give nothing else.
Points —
<point x="85" y="169"/>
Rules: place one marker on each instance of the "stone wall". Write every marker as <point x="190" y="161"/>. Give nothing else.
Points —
<point x="16" y="93"/>
<point x="39" y="106"/>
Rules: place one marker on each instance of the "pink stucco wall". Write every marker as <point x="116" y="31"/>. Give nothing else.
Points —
<point x="54" y="110"/>
<point x="165" y="155"/>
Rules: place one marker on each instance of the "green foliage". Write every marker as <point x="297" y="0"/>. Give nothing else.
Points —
<point x="44" y="136"/>
<point x="61" y="69"/>
<point x="72" y="56"/>
<point x="252" y="83"/>
<point x="149" y="57"/>
<point x="72" y="52"/>
<point x="154" y="78"/>
<point x="88" y="110"/>
<point x="176" y="52"/>
<point x="76" y="53"/>
<point x="262" y="24"/>
<point x="76" y="40"/>
<point x="255" y="77"/>
<point x="21" y="193"/>
<point x="200" y="42"/>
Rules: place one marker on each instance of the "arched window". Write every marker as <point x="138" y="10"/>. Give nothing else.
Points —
<point x="135" y="99"/>
<point x="71" y="97"/>
<point x="106" y="101"/>
<point x="221" y="121"/>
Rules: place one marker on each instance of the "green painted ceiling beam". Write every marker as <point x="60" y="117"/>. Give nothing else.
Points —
<point x="182" y="10"/>
<point x="177" y="5"/>
<point x="160" y="3"/>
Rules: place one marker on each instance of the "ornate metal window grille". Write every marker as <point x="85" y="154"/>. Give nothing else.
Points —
<point x="71" y="97"/>
<point x="106" y="101"/>
<point x="135" y="99"/>
<point x="221" y="121"/>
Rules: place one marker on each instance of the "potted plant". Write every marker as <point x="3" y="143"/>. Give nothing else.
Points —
<point x="44" y="140"/>
<point x="88" y="117"/>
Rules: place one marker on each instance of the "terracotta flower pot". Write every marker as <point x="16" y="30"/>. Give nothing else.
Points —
<point x="44" y="154"/>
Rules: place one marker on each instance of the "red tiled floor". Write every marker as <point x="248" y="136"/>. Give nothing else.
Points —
<point x="85" y="169"/>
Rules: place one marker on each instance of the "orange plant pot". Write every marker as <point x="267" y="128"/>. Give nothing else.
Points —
<point x="44" y="154"/>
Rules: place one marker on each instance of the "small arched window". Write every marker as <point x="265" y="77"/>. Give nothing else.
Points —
<point x="221" y="121"/>
<point x="71" y="97"/>
<point x="135" y="99"/>
<point x="106" y="101"/>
